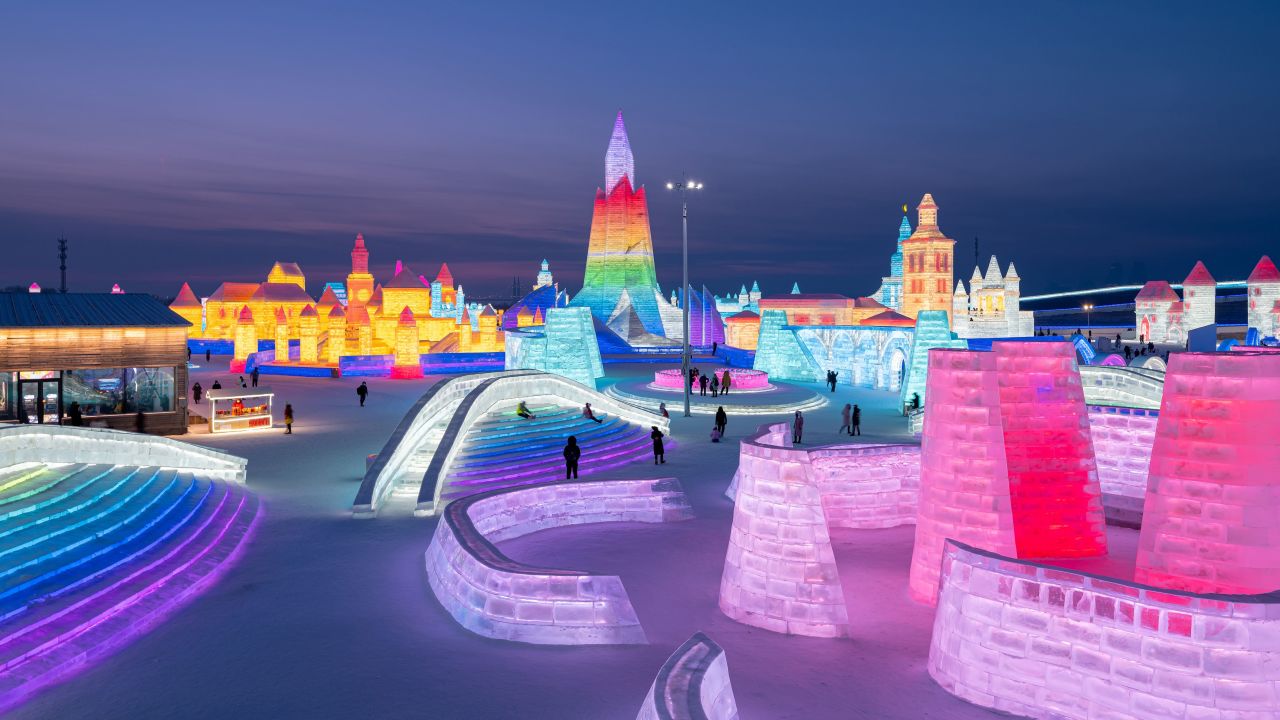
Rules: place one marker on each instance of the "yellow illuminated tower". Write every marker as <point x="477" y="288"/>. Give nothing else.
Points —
<point x="309" y="328"/>
<point x="927" y="264"/>
<point x="359" y="282"/>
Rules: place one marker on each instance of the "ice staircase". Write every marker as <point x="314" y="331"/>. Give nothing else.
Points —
<point x="92" y="555"/>
<point x="503" y="450"/>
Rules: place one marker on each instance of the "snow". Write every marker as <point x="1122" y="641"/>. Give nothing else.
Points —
<point x="326" y="616"/>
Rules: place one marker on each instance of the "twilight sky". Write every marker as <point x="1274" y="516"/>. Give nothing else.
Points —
<point x="1088" y="142"/>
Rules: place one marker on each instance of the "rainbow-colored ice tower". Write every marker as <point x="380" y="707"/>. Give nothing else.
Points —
<point x="620" y="251"/>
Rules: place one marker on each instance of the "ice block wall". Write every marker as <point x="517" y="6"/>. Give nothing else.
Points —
<point x="1213" y="503"/>
<point x="1006" y="459"/>
<point x="495" y="596"/>
<point x="693" y="684"/>
<point x="1036" y="641"/>
<point x="1122" y="440"/>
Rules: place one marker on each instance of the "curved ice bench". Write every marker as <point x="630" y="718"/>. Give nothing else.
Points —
<point x="93" y="554"/>
<point x="693" y="684"/>
<point x="495" y="596"/>
<point x="1043" y="642"/>
<point x="779" y="570"/>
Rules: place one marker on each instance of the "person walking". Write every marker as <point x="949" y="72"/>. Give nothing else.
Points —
<point x="208" y="354"/>
<point x="834" y="374"/>
<point x="571" y="454"/>
<point x="715" y="386"/>
<point x="659" y="455"/>
<point x="702" y="383"/>
<point x="363" y="392"/>
<point x="856" y="429"/>
<point x="724" y="383"/>
<point x="77" y="417"/>
<point x="845" y="413"/>
<point x="288" y="419"/>
<point x="197" y="392"/>
<point x="797" y="428"/>
<point x="722" y="419"/>
<point x="588" y="414"/>
<point x="662" y="410"/>
<point x="253" y="376"/>
<point x="714" y="347"/>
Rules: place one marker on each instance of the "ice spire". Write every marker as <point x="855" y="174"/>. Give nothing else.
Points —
<point x="618" y="160"/>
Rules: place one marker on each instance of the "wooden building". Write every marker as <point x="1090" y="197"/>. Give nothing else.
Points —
<point x="109" y="355"/>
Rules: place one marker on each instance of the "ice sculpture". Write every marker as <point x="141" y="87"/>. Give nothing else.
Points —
<point x="1043" y="642"/>
<point x="693" y="684"/>
<point x="497" y="597"/>
<point x="932" y="331"/>
<point x="1007" y="461"/>
<point x="779" y="571"/>
<point x="565" y="345"/>
<point x="780" y="353"/>
<point x="927" y="268"/>
<point x="620" y="250"/>
<point x="1122" y="440"/>
<point x="246" y="340"/>
<point x="1209" y="521"/>
<point x="408" y="362"/>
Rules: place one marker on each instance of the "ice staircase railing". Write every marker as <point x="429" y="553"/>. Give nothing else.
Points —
<point x="504" y="388"/>
<point x="434" y="407"/>
<point x="52" y="444"/>
<point x="1109" y="385"/>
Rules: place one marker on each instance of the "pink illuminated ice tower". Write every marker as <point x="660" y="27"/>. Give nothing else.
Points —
<point x="1007" y="462"/>
<point x="1213" y="495"/>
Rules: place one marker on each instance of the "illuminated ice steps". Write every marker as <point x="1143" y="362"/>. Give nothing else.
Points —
<point x="93" y="555"/>
<point x="504" y="450"/>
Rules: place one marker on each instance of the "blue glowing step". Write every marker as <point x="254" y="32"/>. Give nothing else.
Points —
<point x="97" y="543"/>
<point x="71" y="497"/>
<point x="551" y="467"/>
<point x="63" y="633"/>
<point x="506" y="434"/>
<point x="508" y="420"/>
<point x="22" y="485"/>
<point x="589" y="434"/>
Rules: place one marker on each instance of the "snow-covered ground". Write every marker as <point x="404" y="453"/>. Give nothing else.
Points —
<point x="329" y="617"/>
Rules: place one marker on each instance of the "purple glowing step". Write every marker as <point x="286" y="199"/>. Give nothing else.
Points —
<point x="554" y="457"/>
<point x="101" y="618"/>
<point x="552" y="470"/>
<point x="588" y="433"/>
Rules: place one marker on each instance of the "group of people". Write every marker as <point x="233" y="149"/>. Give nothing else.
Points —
<point x="851" y="419"/>
<point x="718" y="384"/>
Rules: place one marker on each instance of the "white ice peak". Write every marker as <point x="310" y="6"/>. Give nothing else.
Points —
<point x="618" y="160"/>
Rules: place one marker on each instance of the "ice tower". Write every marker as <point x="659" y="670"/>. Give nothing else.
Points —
<point x="927" y="277"/>
<point x="890" y="292"/>
<point x="620" y="250"/>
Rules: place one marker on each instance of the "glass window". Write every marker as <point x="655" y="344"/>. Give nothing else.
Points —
<point x="100" y="391"/>
<point x="8" y="392"/>
<point x="149" y="389"/>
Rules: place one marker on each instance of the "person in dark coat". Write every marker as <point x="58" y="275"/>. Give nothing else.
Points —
<point x="797" y="428"/>
<point x="571" y="454"/>
<point x="77" y="418"/>
<point x="288" y="419"/>
<point x="216" y="385"/>
<point x="856" y="428"/>
<point x="141" y="422"/>
<point x="363" y="392"/>
<point x="702" y="383"/>
<point x="721" y="419"/>
<point x="208" y="355"/>
<point x="197" y="392"/>
<point x="253" y="377"/>
<point x="659" y="455"/>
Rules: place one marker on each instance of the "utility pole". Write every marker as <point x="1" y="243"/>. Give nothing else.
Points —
<point x="62" y="260"/>
<point x="684" y="186"/>
<point x="976" y="256"/>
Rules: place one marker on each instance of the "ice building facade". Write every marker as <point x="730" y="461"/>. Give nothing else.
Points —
<point x="740" y="301"/>
<point x="620" y="282"/>
<point x="1264" y="298"/>
<point x="890" y="292"/>
<point x="1160" y="316"/>
<point x="564" y="345"/>
<point x="927" y="263"/>
<point x="990" y="308"/>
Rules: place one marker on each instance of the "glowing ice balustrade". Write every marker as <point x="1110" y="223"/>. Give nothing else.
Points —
<point x="1042" y="642"/>
<point x="440" y="419"/>
<point x="1209" y="520"/>
<point x="497" y="597"/>
<point x="1136" y="387"/>
<point x="693" y="684"/>
<point x="779" y="570"/>
<point x="68" y="444"/>
<point x="1122" y="441"/>
<point x="1007" y="462"/>
<point x="740" y="379"/>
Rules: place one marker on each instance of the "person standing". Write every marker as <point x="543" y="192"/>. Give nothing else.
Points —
<point x="288" y="419"/>
<point x="715" y="385"/>
<point x="363" y="392"/>
<point x="659" y="455"/>
<point x="833" y="374"/>
<point x="140" y="422"/>
<point x="77" y="417"/>
<point x="714" y="347"/>
<point x="797" y="428"/>
<point x="216" y="385"/>
<point x="702" y="383"/>
<point x="722" y="419"/>
<point x="662" y="410"/>
<point x="208" y="354"/>
<point x="253" y="376"/>
<point x="571" y="454"/>
<point x="197" y="392"/>
<point x="857" y="421"/>
<point x="845" y="413"/>
<point x="724" y="383"/>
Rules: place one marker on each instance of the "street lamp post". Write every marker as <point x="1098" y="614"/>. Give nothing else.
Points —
<point x="684" y="186"/>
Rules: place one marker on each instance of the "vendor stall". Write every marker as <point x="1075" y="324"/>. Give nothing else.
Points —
<point x="239" y="409"/>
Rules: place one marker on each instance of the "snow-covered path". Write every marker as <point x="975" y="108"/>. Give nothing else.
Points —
<point x="329" y="617"/>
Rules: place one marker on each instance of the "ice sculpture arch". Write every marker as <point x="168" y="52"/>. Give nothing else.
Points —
<point x="492" y="595"/>
<point x="442" y="416"/>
